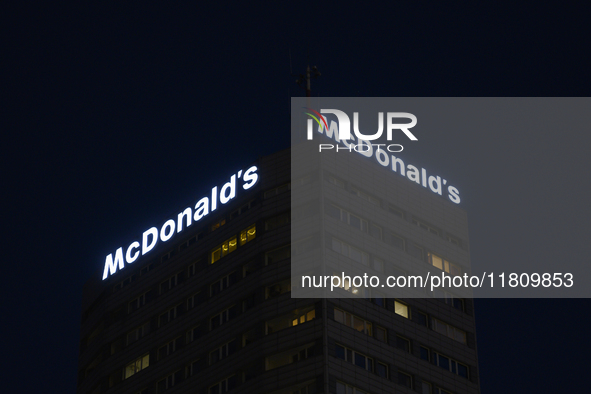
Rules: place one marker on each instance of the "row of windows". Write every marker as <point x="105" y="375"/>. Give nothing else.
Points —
<point x="231" y="244"/>
<point x="444" y="362"/>
<point x="361" y="360"/>
<point x="403" y="310"/>
<point x="395" y="240"/>
<point x="189" y="242"/>
<point x="402" y="343"/>
<point x="392" y="209"/>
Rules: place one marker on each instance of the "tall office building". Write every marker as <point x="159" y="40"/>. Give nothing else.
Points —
<point x="209" y="311"/>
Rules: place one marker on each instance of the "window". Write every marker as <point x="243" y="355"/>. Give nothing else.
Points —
<point x="335" y="181"/>
<point x="248" y="235"/>
<point x="403" y="343"/>
<point x="425" y="226"/>
<point x="192" y="270"/>
<point x="168" y="348"/>
<point x="222" y="317"/>
<point x="146" y="268"/>
<point x="352" y="252"/>
<point x="193" y="334"/>
<point x="352" y="321"/>
<point x="375" y="231"/>
<point x="217" y="225"/>
<point x="249" y="268"/>
<point x="289" y="356"/>
<point x="365" y="196"/>
<point x="396" y="211"/>
<point x="444" y="265"/>
<point x="414" y="250"/>
<point x="249" y="337"/>
<point x="448" y="330"/>
<point x="278" y="254"/>
<point x="425" y="353"/>
<point x="381" y="334"/>
<point x="346" y="217"/>
<point x="278" y="190"/>
<point x="421" y="318"/>
<point x="136" y="365"/>
<point x="382" y="370"/>
<point x="378" y="264"/>
<point x="194" y="300"/>
<point x="224" y="386"/>
<point x="136" y="303"/>
<point x="404" y="379"/>
<point x="395" y="240"/>
<point x="137" y="333"/>
<point x="223" y="283"/>
<point x="277" y="289"/>
<point x="377" y="298"/>
<point x="169" y="283"/>
<point x="454" y="240"/>
<point x="193" y="368"/>
<point x="168" y="316"/>
<point x="169" y="381"/>
<point x="188" y="243"/>
<point x="278" y="221"/>
<point x="295" y="317"/>
<point x="242" y="209"/>
<point x="308" y="387"/>
<point x="222" y="352"/>
<point x="449" y="298"/>
<point x="344" y="388"/>
<point x="168" y="255"/>
<point x="224" y="249"/>
<point x="401" y="309"/>
<point x="450" y="364"/>
<point x="426" y="388"/>
<point x="439" y="390"/>
<point x="354" y="357"/>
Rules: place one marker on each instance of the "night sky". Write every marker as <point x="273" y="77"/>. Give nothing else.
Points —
<point x="117" y="116"/>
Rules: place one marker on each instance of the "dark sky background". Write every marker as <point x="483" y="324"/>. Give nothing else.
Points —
<point x="117" y="115"/>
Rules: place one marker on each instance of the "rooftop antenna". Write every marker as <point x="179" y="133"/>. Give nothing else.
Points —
<point x="304" y="81"/>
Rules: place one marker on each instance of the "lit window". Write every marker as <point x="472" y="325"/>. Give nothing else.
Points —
<point x="248" y="235"/>
<point x="401" y="309"/>
<point x="137" y="365"/>
<point x="444" y="265"/>
<point x="296" y="317"/>
<point x="217" y="225"/>
<point x="224" y="249"/>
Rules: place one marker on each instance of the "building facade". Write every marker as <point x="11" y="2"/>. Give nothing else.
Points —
<point x="211" y="312"/>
